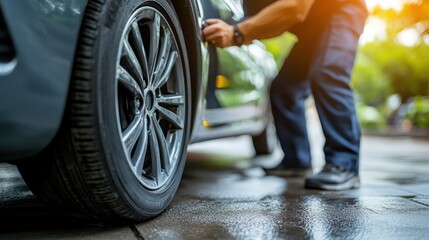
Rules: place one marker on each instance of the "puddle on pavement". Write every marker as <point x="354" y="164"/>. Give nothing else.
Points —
<point x="250" y="185"/>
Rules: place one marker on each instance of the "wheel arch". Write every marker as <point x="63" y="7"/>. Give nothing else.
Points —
<point x="191" y="23"/>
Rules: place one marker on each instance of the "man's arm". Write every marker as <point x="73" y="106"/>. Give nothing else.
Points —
<point x="271" y="21"/>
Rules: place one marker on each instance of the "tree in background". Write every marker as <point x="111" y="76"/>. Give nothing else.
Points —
<point x="413" y="15"/>
<point x="406" y="67"/>
<point x="398" y="61"/>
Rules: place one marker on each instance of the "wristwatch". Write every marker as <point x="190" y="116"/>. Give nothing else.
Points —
<point x="238" y="36"/>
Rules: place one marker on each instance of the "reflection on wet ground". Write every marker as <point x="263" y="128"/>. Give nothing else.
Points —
<point x="238" y="201"/>
<point x="23" y="215"/>
<point x="225" y="194"/>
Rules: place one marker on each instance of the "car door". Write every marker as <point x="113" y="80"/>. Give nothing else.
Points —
<point x="238" y="77"/>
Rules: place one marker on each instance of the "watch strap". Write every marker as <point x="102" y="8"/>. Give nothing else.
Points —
<point x="238" y="36"/>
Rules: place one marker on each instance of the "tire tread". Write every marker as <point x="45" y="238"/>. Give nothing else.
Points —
<point x="80" y="185"/>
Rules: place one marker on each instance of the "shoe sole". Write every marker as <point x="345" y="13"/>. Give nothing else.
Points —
<point x="350" y="184"/>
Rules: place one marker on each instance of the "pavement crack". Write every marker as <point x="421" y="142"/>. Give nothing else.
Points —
<point x="416" y="201"/>
<point x="136" y="232"/>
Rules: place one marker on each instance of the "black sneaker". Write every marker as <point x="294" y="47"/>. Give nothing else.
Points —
<point x="333" y="178"/>
<point x="288" y="172"/>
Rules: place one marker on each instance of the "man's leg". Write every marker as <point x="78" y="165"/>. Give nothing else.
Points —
<point x="288" y="93"/>
<point x="330" y="84"/>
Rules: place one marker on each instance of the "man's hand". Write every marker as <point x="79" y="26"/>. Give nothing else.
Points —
<point x="219" y="33"/>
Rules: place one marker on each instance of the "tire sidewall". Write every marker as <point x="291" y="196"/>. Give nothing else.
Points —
<point x="130" y="190"/>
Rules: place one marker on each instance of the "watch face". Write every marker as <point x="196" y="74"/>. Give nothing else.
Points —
<point x="238" y="36"/>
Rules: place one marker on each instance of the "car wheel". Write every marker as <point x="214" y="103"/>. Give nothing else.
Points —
<point x="120" y="152"/>
<point x="266" y="141"/>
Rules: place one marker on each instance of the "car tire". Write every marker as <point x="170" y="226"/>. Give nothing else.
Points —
<point x="120" y="152"/>
<point x="266" y="142"/>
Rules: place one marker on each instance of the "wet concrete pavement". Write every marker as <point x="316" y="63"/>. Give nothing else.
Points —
<point x="225" y="194"/>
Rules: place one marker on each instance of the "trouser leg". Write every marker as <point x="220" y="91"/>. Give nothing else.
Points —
<point x="288" y="93"/>
<point x="330" y="85"/>
<point x="324" y="57"/>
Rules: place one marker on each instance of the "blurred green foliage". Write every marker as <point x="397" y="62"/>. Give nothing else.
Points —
<point x="418" y="112"/>
<point x="370" y="117"/>
<point x="280" y="47"/>
<point x="414" y="14"/>
<point x="385" y="67"/>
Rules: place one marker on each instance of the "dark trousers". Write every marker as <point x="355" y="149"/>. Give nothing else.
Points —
<point x="320" y="64"/>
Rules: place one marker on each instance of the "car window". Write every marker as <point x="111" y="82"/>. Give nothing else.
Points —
<point x="229" y="10"/>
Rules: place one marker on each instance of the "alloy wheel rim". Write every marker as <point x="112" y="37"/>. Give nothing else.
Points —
<point x="151" y="97"/>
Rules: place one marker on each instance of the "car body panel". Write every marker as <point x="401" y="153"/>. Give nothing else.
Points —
<point x="243" y="73"/>
<point x="33" y="91"/>
<point x="33" y="94"/>
<point x="201" y="62"/>
<point x="238" y="81"/>
<point x="245" y="76"/>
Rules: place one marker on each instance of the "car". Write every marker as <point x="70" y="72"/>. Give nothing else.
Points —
<point x="99" y="99"/>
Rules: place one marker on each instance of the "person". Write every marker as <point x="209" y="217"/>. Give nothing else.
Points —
<point x="319" y="64"/>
